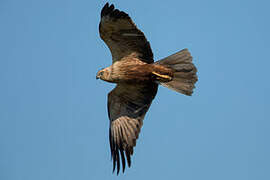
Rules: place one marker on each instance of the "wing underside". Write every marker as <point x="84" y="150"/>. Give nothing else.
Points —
<point x="122" y="36"/>
<point x="127" y="106"/>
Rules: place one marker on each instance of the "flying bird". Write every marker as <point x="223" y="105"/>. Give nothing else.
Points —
<point x="137" y="77"/>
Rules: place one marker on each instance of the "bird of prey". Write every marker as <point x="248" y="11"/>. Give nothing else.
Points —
<point x="137" y="77"/>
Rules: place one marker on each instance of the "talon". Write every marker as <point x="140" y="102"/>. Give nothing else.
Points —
<point x="162" y="76"/>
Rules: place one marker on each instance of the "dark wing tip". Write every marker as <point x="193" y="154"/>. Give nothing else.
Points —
<point x="120" y="154"/>
<point x="123" y="159"/>
<point x="111" y="12"/>
<point x="106" y="9"/>
<point x="128" y="158"/>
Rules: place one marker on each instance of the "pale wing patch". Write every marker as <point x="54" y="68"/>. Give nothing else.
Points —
<point x="132" y="35"/>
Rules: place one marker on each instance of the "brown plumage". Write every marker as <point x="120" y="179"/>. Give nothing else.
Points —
<point x="137" y="77"/>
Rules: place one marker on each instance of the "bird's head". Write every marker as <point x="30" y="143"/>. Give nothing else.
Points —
<point x="103" y="74"/>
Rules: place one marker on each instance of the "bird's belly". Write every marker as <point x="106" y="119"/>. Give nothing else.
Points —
<point x="133" y="73"/>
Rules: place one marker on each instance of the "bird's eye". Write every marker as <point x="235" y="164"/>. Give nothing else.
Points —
<point x="101" y="73"/>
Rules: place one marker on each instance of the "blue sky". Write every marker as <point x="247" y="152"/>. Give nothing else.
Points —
<point x="53" y="116"/>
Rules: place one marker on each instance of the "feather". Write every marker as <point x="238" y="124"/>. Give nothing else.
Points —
<point x="122" y="36"/>
<point x="125" y="126"/>
<point x="184" y="76"/>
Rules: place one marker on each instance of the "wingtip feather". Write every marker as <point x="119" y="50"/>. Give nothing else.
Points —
<point x="112" y="12"/>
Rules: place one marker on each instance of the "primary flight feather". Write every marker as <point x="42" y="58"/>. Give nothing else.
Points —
<point x="137" y="77"/>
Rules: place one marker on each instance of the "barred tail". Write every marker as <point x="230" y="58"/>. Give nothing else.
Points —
<point x="184" y="76"/>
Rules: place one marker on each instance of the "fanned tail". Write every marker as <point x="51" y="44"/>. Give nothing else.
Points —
<point x="184" y="76"/>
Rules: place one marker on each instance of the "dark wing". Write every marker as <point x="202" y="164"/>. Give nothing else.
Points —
<point x="122" y="36"/>
<point x="127" y="106"/>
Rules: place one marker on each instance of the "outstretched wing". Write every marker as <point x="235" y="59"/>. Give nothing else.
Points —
<point x="127" y="106"/>
<point x="122" y="36"/>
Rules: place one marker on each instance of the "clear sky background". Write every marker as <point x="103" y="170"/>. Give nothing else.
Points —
<point x="53" y="112"/>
